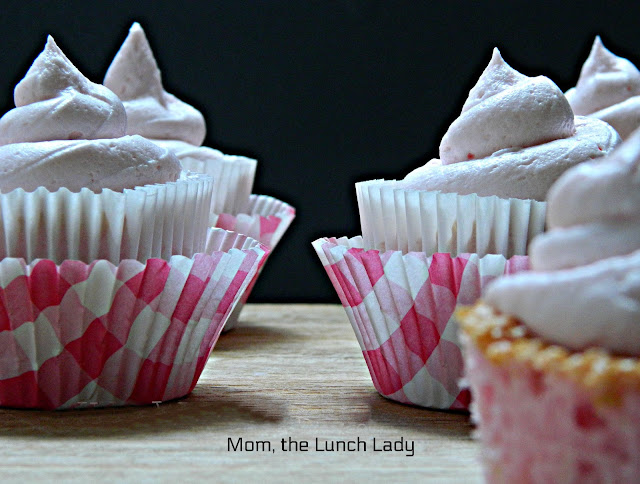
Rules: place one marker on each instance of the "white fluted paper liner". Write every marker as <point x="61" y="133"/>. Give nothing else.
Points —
<point x="401" y="308"/>
<point x="266" y="220"/>
<point x="233" y="179"/>
<point x="147" y="221"/>
<point x="393" y="218"/>
<point x="91" y="335"/>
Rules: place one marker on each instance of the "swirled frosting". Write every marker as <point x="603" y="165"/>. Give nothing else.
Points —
<point x="68" y="132"/>
<point x="584" y="289"/>
<point x="151" y="111"/>
<point x="158" y="115"/>
<point x="55" y="101"/>
<point x="608" y="89"/>
<point x="515" y="136"/>
<point x="505" y="110"/>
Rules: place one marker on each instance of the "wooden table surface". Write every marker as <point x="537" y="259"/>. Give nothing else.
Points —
<point x="292" y="372"/>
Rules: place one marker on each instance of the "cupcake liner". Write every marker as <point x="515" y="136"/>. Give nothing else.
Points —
<point x="140" y="223"/>
<point x="92" y="335"/>
<point x="266" y="220"/>
<point x="233" y="180"/>
<point x="431" y="221"/>
<point x="401" y="309"/>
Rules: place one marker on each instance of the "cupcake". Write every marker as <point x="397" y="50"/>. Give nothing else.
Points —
<point x="436" y="238"/>
<point x="552" y="355"/>
<point x="608" y="89"/>
<point x="104" y="299"/>
<point x="152" y="112"/>
<point x="515" y="136"/>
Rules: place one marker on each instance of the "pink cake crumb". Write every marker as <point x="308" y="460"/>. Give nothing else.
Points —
<point x="541" y="428"/>
<point x="539" y="425"/>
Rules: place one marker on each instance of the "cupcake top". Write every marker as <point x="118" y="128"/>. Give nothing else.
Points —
<point x="152" y="112"/>
<point x="68" y="132"/>
<point x="584" y="290"/>
<point x="608" y="89"/>
<point x="515" y="136"/>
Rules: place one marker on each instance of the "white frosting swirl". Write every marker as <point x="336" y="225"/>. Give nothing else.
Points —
<point x="151" y="111"/>
<point x="516" y="135"/>
<point x="116" y="164"/>
<point x="526" y="173"/>
<point x="202" y="154"/>
<point x="584" y="289"/>
<point x="595" y="305"/>
<point x="173" y="124"/>
<point x="51" y="138"/>
<point x="506" y="110"/>
<point x="608" y="89"/>
<point x="55" y="101"/>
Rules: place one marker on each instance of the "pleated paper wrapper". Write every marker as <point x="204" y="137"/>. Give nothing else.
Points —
<point x="266" y="220"/>
<point x="393" y="218"/>
<point x="79" y="335"/>
<point x="401" y="309"/>
<point x="148" y="221"/>
<point x="233" y="179"/>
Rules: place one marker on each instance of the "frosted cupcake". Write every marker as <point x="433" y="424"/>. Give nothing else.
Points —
<point x="157" y="115"/>
<point x="485" y="194"/>
<point x="83" y="323"/>
<point x="171" y="123"/>
<point x="608" y="89"/>
<point x="552" y="354"/>
<point x="74" y="187"/>
<point x="436" y="238"/>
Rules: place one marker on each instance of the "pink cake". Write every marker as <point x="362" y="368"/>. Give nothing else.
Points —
<point x="546" y="414"/>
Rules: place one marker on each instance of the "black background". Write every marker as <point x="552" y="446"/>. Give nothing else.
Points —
<point x="322" y="93"/>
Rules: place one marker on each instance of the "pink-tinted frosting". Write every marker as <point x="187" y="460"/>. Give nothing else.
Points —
<point x="608" y="89"/>
<point x="584" y="289"/>
<point x="68" y="132"/>
<point x="515" y="136"/>
<point x="151" y="111"/>
<point x="160" y="116"/>
<point x="506" y="110"/>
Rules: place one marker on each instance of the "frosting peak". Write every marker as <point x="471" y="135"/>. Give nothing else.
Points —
<point x="506" y="110"/>
<point x="55" y="101"/>
<point x="608" y="89"/>
<point x="495" y="78"/>
<point x="605" y="80"/>
<point x="68" y="132"/>
<point x="152" y="112"/>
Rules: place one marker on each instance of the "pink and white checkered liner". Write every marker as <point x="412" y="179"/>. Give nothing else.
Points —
<point x="266" y="220"/>
<point x="401" y="308"/>
<point x="75" y="334"/>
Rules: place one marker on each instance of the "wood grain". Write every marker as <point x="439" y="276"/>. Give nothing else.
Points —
<point x="289" y="371"/>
